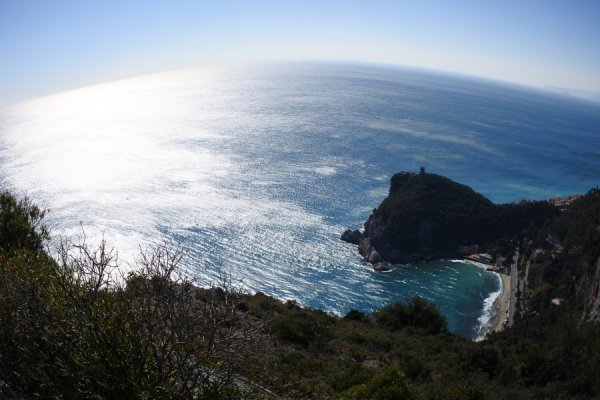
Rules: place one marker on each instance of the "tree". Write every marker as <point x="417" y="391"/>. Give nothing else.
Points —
<point x="72" y="326"/>
<point x="20" y="224"/>
<point x="417" y="313"/>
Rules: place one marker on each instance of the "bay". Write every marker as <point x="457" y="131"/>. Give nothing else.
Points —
<point x="255" y="171"/>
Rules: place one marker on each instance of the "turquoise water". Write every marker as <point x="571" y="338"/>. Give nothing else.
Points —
<point x="459" y="290"/>
<point x="256" y="171"/>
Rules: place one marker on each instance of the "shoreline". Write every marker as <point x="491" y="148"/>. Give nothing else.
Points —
<point x="501" y="305"/>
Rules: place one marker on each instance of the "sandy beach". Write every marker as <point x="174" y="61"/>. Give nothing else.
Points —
<point x="501" y="305"/>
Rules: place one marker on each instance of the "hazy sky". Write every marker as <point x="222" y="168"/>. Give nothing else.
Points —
<point x="53" y="45"/>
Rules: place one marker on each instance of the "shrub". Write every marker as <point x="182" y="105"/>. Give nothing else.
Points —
<point x="355" y="315"/>
<point x="20" y="225"/>
<point x="389" y="384"/>
<point x="303" y="327"/>
<point x="71" y="328"/>
<point x="417" y="313"/>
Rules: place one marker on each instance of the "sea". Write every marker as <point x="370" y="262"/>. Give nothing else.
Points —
<point x="254" y="171"/>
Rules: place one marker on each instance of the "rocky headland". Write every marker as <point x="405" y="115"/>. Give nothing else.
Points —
<point x="427" y="216"/>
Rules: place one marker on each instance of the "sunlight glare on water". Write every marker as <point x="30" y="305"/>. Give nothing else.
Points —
<point x="256" y="171"/>
<point x="117" y="153"/>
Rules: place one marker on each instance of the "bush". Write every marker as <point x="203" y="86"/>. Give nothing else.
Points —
<point x="418" y="313"/>
<point x="20" y="225"/>
<point x="355" y="315"/>
<point x="71" y="328"/>
<point x="303" y="327"/>
<point x="390" y="384"/>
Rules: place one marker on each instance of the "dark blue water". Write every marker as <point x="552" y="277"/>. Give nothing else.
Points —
<point x="256" y="171"/>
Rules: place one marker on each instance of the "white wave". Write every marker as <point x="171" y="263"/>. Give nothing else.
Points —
<point x="475" y="263"/>
<point x="241" y="170"/>
<point x="325" y="170"/>
<point x="489" y="312"/>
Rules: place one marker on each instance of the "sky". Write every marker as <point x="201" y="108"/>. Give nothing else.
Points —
<point x="48" y="46"/>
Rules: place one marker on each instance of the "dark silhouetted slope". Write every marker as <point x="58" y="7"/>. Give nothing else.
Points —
<point x="427" y="215"/>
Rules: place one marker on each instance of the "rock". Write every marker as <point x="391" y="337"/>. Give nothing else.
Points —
<point x="382" y="266"/>
<point x="370" y="254"/>
<point x="364" y="247"/>
<point x="374" y="256"/>
<point x="428" y="216"/>
<point x="352" y="236"/>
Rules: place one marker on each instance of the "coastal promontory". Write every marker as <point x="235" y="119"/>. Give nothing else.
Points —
<point x="428" y="216"/>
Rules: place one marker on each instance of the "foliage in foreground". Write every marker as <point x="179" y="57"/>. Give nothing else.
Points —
<point x="70" y="328"/>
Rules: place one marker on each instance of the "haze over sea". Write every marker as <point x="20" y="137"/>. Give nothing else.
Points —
<point x="256" y="171"/>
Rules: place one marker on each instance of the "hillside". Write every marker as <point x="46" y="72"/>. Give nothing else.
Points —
<point x="430" y="216"/>
<point x="69" y="329"/>
<point x="562" y="260"/>
<point x="556" y="330"/>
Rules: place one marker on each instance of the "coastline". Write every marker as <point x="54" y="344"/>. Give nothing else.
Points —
<point x="496" y="306"/>
<point x="501" y="304"/>
<point x="504" y="305"/>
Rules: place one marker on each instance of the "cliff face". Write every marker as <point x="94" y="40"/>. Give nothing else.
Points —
<point x="590" y="288"/>
<point x="565" y="259"/>
<point x="430" y="216"/>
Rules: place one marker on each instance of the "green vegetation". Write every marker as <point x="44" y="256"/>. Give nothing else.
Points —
<point x="71" y="327"/>
<point x="20" y="225"/>
<point x="418" y="313"/>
